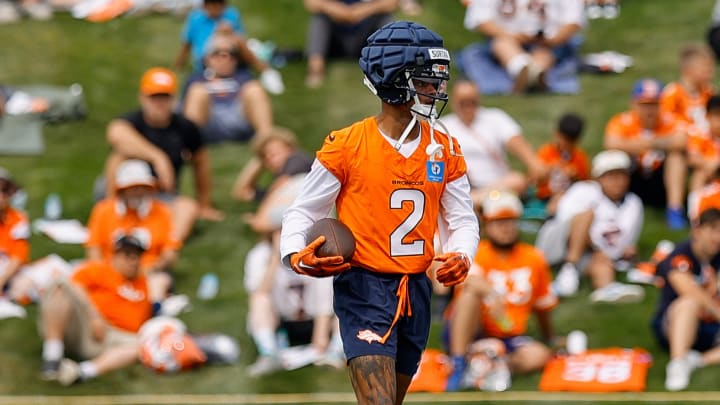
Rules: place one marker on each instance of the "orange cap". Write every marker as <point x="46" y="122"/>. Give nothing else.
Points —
<point x="158" y="81"/>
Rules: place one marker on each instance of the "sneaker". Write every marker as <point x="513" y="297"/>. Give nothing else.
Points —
<point x="455" y="380"/>
<point x="594" y="11"/>
<point x="618" y="293"/>
<point x="174" y="305"/>
<point x="68" y="372"/>
<point x="8" y="12"/>
<point x="675" y="219"/>
<point x="610" y="11"/>
<point x="9" y="309"/>
<point x="567" y="281"/>
<point x="333" y="358"/>
<point x="264" y="365"/>
<point x="643" y="273"/>
<point x="677" y="372"/>
<point x="49" y="370"/>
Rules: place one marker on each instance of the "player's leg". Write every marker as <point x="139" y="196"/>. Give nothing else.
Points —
<point x="373" y="379"/>
<point x="256" y="106"/>
<point x="682" y="326"/>
<point x="514" y="59"/>
<point x="529" y="356"/>
<point x="185" y="212"/>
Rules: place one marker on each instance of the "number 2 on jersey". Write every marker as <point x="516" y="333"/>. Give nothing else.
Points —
<point x="417" y="199"/>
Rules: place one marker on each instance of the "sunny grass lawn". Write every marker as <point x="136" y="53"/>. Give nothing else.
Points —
<point x="108" y="59"/>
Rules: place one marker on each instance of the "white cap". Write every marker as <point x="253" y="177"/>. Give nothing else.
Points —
<point x="501" y="205"/>
<point x="134" y="173"/>
<point x="609" y="160"/>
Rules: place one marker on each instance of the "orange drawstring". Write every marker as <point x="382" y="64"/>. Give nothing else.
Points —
<point x="403" y="308"/>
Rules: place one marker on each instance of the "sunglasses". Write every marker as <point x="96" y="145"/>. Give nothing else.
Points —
<point x="226" y="53"/>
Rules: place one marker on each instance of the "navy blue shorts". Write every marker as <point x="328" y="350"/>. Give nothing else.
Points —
<point x="366" y="302"/>
<point x="706" y="338"/>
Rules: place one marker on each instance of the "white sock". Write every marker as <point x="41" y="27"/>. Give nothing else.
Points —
<point x="265" y="342"/>
<point x="517" y="63"/>
<point x="88" y="370"/>
<point x="53" y="350"/>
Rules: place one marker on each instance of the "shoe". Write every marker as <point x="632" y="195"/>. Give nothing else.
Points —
<point x="675" y="219"/>
<point x="455" y="380"/>
<point x="567" y="281"/>
<point x="49" y="370"/>
<point x="677" y="372"/>
<point x="9" y="309"/>
<point x="610" y="11"/>
<point x="333" y="358"/>
<point x="174" y="305"/>
<point x="38" y="11"/>
<point x="618" y="293"/>
<point x="8" y="12"/>
<point x="68" y="373"/>
<point x="643" y="273"/>
<point x="264" y="365"/>
<point x="594" y="11"/>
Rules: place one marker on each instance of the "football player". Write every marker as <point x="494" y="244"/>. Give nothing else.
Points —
<point x="395" y="181"/>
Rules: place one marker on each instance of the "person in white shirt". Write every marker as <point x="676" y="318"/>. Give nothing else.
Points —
<point x="528" y="36"/>
<point x="485" y="134"/>
<point x="602" y="219"/>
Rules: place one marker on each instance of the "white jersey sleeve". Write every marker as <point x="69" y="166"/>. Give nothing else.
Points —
<point x="457" y="224"/>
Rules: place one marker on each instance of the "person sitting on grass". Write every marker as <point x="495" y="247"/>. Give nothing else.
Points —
<point x="95" y="316"/>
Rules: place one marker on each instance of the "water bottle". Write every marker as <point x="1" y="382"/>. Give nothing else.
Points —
<point x="283" y="341"/>
<point x="209" y="285"/>
<point x="576" y="342"/>
<point x="53" y="207"/>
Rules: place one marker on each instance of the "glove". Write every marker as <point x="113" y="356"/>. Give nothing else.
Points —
<point x="272" y="81"/>
<point x="305" y="262"/>
<point x="454" y="269"/>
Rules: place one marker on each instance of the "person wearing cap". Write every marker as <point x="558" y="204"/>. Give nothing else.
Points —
<point x="686" y="322"/>
<point x="95" y="315"/>
<point x="225" y="102"/>
<point x="14" y="233"/>
<point x="657" y="141"/>
<point x="508" y="281"/>
<point x="134" y="209"/>
<point x="596" y="226"/>
<point x="164" y="139"/>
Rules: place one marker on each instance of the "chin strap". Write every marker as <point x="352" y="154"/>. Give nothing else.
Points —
<point x="405" y="133"/>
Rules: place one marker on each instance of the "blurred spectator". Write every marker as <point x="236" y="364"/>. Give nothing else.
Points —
<point x="703" y="148"/>
<point x="340" y="28"/>
<point x="95" y="316"/>
<point x="564" y="158"/>
<point x="528" y="37"/>
<point x="11" y="11"/>
<point x="509" y="281"/>
<point x="214" y="16"/>
<point x="165" y="140"/>
<point x="485" y="134"/>
<point x="224" y="101"/>
<point x="276" y="152"/>
<point x="411" y="7"/>
<point x="14" y="233"/>
<point x="686" y="97"/>
<point x="657" y="142"/>
<point x="599" y="218"/>
<point x="713" y="35"/>
<point x="134" y="210"/>
<point x="687" y="316"/>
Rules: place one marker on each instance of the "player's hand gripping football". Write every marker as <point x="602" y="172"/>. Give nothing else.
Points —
<point x="305" y="262"/>
<point x="454" y="269"/>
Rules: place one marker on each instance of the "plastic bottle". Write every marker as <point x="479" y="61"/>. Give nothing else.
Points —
<point x="576" y="342"/>
<point x="283" y="341"/>
<point x="53" y="207"/>
<point x="209" y="285"/>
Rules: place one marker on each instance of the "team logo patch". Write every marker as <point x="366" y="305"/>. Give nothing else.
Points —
<point x="369" y="336"/>
<point x="435" y="172"/>
<point x="439" y="53"/>
<point x="681" y="263"/>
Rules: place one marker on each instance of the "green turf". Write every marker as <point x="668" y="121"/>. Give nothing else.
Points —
<point x="107" y="59"/>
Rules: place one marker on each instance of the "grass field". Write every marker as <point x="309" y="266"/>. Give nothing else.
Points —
<point x="108" y="59"/>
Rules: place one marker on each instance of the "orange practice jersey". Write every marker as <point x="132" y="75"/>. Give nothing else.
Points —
<point x="14" y="234"/>
<point x="571" y="167"/>
<point x="107" y="220"/>
<point x="522" y="277"/>
<point x="390" y="202"/>
<point x="703" y="144"/>
<point x="686" y="107"/>
<point x="599" y="370"/>
<point x="626" y="125"/>
<point x="123" y="303"/>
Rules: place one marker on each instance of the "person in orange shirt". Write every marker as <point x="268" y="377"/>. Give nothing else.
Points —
<point x="568" y="163"/>
<point x="14" y="233"/>
<point x="657" y="142"/>
<point x="703" y="148"/>
<point x="509" y="281"/>
<point x="686" y="98"/>
<point x="95" y="316"/>
<point x="395" y="180"/>
<point x="134" y="210"/>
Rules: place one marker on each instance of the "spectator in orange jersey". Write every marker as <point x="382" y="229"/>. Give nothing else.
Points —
<point x="686" y="97"/>
<point x="134" y="210"/>
<point x="703" y="149"/>
<point x="508" y="281"/>
<point x="657" y="142"/>
<point x="95" y="316"/>
<point x="567" y="162"/>
<point x="14" y="233"/>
